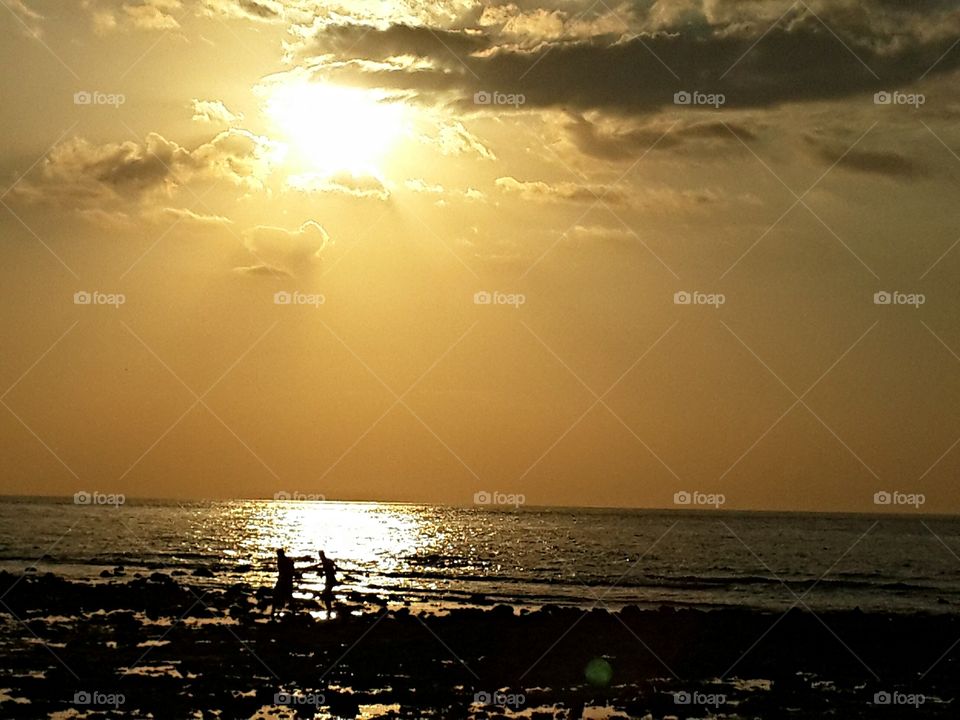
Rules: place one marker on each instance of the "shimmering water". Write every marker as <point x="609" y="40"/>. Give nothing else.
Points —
<point x="449" y="556"/>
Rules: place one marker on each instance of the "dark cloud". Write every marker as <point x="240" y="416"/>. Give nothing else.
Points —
<point x="265" y="11"/>
<point x="886" y="163"/>
<point x="78" y="173"/>
<point x="800" y="59"/>
<point x="627" y="143"/>
<point x="372" y="43"/>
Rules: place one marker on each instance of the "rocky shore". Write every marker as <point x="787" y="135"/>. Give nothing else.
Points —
<point x="161" y="646"/>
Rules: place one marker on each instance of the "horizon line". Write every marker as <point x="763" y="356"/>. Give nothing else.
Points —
<point x="503" y="508"/>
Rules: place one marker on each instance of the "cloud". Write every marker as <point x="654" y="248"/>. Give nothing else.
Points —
<point x="886" y="163"/>
<point x="418" y="185"/>
<point x="262" y="10"/>
<point x="394" y="40"/>
<point x="725" y="49"/>
<point x="562" y="191"/>
<point x="185" y="216"/>
<point x="423" y="187"/>
<point x="213" y="111"/>
<point x="262" y="271"/>
<point x="78" y="173"/>
<point x="153" y="14"/>
<point x="358" y="186"/>
<point x="589" y="236"/>
<point x="608" y="140"/>
<point x="115" y="220"/>
<point x="531" y="27"/>
<point x="284" y="252"/>
<point x="111" y="15"/>
<point x="650" y="198"/>
<point x="455" y="139"/>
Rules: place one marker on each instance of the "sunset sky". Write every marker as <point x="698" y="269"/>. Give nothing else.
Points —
<point x="381" y="163"/>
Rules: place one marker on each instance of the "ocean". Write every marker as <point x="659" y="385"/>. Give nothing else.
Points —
<point x="444" y="557"/>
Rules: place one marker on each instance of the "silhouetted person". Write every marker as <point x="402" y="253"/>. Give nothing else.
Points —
<point x="329" y="572"/>
<point x="283" y="590"/>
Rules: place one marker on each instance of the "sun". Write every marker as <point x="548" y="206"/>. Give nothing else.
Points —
<point x="333" y="129"/>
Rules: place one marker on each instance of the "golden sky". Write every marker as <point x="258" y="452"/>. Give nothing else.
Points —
<point x="591" y="254"/>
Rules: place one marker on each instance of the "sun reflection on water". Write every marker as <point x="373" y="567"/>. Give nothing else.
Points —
<point x="360" y="537"/>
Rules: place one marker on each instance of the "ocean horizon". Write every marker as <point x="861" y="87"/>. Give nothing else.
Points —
<point x="439" y="557"/>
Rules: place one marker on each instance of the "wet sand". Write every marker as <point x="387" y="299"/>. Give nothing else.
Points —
<point x="163" y="646"/>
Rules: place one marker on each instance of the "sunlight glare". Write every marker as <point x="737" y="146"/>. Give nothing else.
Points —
<point x="336" y="129"/>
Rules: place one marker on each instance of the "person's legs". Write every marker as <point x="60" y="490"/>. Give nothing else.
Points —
<point x="279" y="598"/>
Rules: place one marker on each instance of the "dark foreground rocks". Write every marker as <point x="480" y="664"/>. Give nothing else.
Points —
<point x="160" y="647"/>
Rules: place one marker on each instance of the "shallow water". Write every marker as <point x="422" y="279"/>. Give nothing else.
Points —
<point x="450" y="556"/>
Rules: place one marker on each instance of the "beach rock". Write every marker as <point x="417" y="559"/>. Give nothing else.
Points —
<point x="202" y="572"/>
<point x="397" y="658"/>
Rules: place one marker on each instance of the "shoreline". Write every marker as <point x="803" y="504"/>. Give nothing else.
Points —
<point x="174" y="648"/>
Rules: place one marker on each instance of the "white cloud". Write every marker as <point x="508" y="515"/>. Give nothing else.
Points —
<point x="214" y="111"/>
<point x="284" y="252"/>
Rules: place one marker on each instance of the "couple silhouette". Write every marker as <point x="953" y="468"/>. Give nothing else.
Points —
<point x="288" y="573"/>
